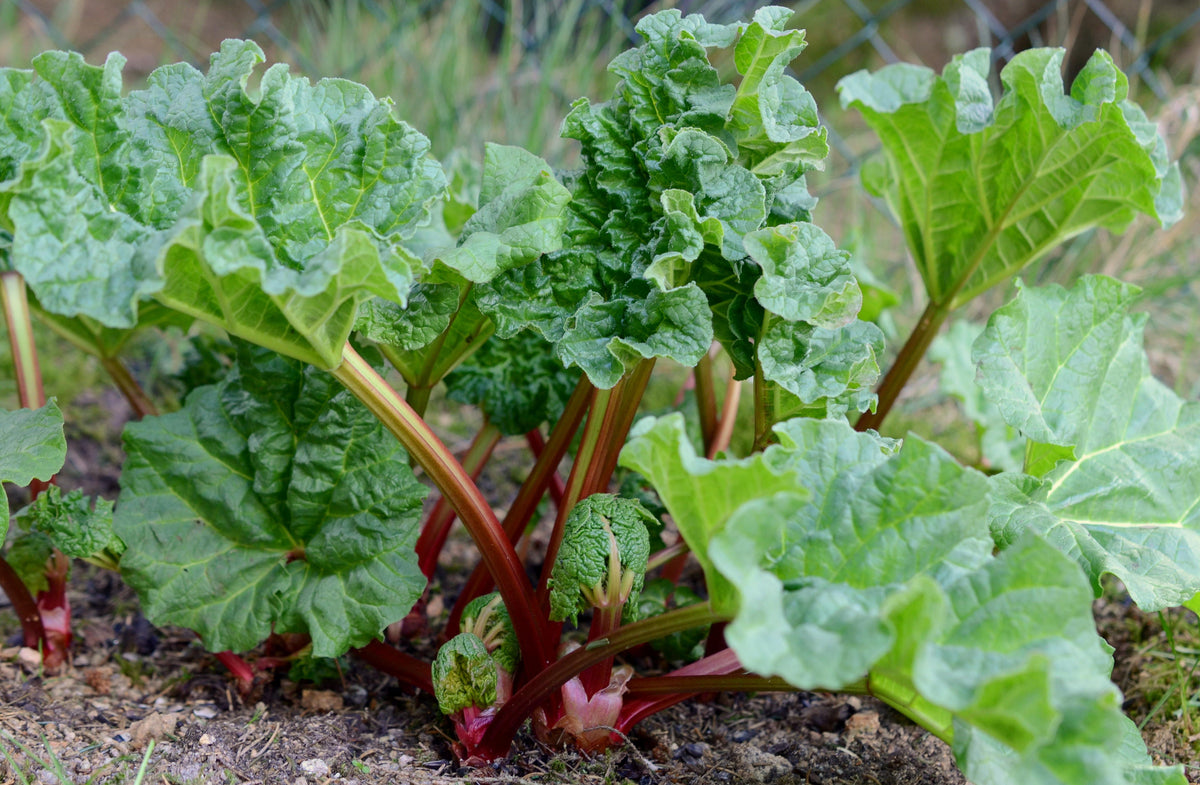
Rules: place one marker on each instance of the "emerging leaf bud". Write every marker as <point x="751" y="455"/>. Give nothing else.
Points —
<point x="464" y="675"/>
<point x="602" y="560"/>
<point x="487" y="617"/>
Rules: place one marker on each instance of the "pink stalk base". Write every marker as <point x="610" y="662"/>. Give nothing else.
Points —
<point x="55" y="610"/>
<point x="240" y="669"/>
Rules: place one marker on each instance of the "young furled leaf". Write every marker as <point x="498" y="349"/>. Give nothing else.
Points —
<point x="602" y="560"/>
<point x="272" y="502"/>
<point x="1114" y="454"/>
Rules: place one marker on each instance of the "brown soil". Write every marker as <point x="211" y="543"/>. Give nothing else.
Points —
<point x="130" y="684"/>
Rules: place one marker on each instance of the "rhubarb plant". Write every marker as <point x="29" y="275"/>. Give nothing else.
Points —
<point x="311" y="224"/>
<point x="983" y="188"/>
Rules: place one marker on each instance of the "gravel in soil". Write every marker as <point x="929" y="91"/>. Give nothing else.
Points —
<point x="134" y="695"/>
<point x="130" y="685"/>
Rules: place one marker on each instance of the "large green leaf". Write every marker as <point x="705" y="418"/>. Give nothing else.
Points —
<point x="34" y="447"/>
<point x="700" y="494"/>
<point x="885" y="573"/>
<point x="519" y="216"/>
<point x="982" y="189"/>
<point x="1117" y="452"/>
<point x="271" y="211"/>
<point x="1000" y="446"/>
<point x="518" y="383"/>
<point x="685" y="176"/>
<point x="273" y="501"/>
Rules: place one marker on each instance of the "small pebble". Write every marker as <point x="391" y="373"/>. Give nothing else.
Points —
<point x="315" y="766"/>
<point x="206" y="740"/>
<point x="205" y="712"/>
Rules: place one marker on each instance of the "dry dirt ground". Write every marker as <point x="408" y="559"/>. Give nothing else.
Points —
<point x="130" y="685"/>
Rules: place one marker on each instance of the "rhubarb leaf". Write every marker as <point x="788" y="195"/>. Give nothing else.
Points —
<point x="1117" y="452"/>
<point x="680" y="169"/>
<point x="982" y="189"/>
<point x="805" y="277"/>
<point x="270" y="211"/>
<point x="773" y="118"/>
<point x="34" y="449"/>
<point x="518" y="383"/>
<point x="77" y="525"/>
<point x="886" y="569"/>
<point x="700" y="494"/>
<point x="272" y="502"/>
<point x="519" y="218"/>
<point x="822" y="372"/>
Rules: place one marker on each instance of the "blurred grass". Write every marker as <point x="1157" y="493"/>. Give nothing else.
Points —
<point x="459" y="79"/>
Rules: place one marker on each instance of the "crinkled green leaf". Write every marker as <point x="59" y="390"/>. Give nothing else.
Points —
<point x="72" y="248"/>
<point x="76" y="524"/>
<point x="999" y="445"/>
<point x="982" y="189"/>
<point x="678" y="168"/>
<point x="428" y="313"/>
<point x="824" y="372"/>
<point x="520" y="216"/>
<point x="773" y="118"/>
<point x="518" y="383"/>
<point x="700" y="494"/>
<point x="886" y="573"/>
<point x="607" y="339"/>
<point x="1117" y="451"/>
<point x="33" y="448"/>
<point x="872" y="520"/>
<point x="272" y="212"/>
<point x="595" y="526"/>
<point x="24" y="102"/>
<point x="273" y="501"/>
<point x="805" y="277"/>
<point x="464" y="674"/>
